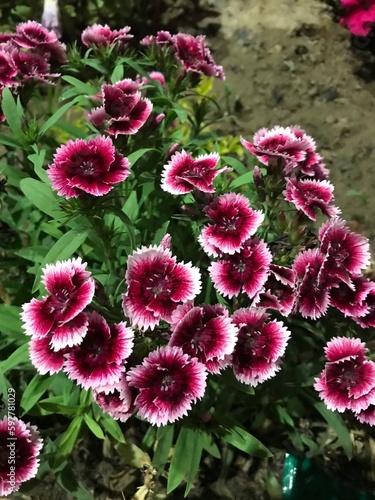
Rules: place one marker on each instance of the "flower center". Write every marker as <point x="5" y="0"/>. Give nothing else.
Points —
<point x="228" y="224"/>
<point x="158" y="285"/>
<point x="87" y="168"/>
<point x="167" y="383"/>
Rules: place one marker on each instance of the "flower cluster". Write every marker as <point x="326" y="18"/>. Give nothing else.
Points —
<point x="331" y="275"/>
<point x="359" y="16"/>
<point x="189" y="50"/>
<point x="65" y="335"/>
<point x="123" y="110"/>
<point x="26" y="54"/>
<point x="348" y="379"/>
<point x="302" y="167"/>
<point x="19" y="460"/>
<point x="158" y="361"/>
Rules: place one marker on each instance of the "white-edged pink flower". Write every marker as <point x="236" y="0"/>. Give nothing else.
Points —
<point x="346" y="252"/>
<point x="168" y="382"/>
<point x="367" y="416"/>
<point x="192" y="52"/>
<point x="24" y="445"/>
<point x="246" y="271"/>
<point x="99" y="359"/>
<point x="204" y="332"/>
<point x="124" y="110"/>
<point x="9" y="70"/>
<point x="117" y="399"/>
<point x="348" y="379"/>
<point x="310" y="195"/>
<point x="351" y="300"/>
<point x="312" y="284"/>
<point x="345" y="349"/>
<point x="260" y="345"/>
<point x="32" y="35"/>
<point x="278" y="291"/>
<point x="71" y="289"/>
<point x="162" y="38"/>
<point x="368" y="319"/>
<point x="156" y="285"/>
<point x="233" y="221"/>
<point x="91" y="166"/>
<point x="183" y="173"/>
<point x="103" y="36"/>
<point x="44" y="358"/>
<point x="288" y="143"/>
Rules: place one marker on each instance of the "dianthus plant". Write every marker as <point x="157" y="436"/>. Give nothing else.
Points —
<point x="174" y="287"/>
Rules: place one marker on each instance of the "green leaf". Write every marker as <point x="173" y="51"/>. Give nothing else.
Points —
<point x="11" y="113"/>
<point x="210" y="446"/>
<point x="241" y="180"/>
<point x="18" y="357"/>
<point x="237" y="165"/>
<point x="10" y="141"/>
<point x="160" y="233"/>
<point x="128" y="223"/>
<point x="13" y="175"/>
<point x="56" y="117"/>
<point x="165" y="439"/>
<point x="336" y="423"/>
<point x="235" y="435"/>
<point x="63" y="249"/>
<point x="68" y="440"/>
<point x="35" y="254"/>
<point x="37" y="159"/>
<point x="96" y="65"/>
<point x="84" y="88"/>
<point x="35" y="389"/>
<point x="52" y="408"/>
<point x="117" y="73"/>
<point x="137" y="67"/>
<point x="72" y="130"/>
<point x="67" y="480"/>
<point x="185" y="460"/>
<point x="131" y="207"/>
<point x="134" y="157"/>
<point x="10" y="321"/>
<point x="42" y="197"/>
<point x="93" y="426"/>
<point x="284" y="416"/>
<point x="113" y="428"/>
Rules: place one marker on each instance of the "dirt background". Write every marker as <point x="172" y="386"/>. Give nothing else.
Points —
<point x="290" y="62"/>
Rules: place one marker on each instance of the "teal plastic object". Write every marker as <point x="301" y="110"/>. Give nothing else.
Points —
<point x="303" y="479"/>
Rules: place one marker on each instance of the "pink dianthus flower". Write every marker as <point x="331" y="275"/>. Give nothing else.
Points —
<point x="205" y="332"/>
<point x="100" y="357"/>
<point x="26" y="444"/>
<point x="157" y="284"/>
<point x="168" y="382"/>
<point x="124" y="110"/>
<point x="260" y="345"/>
<point x="348" y="379"/>
<point x="245" y="271"/>
<point x="91" y="166"/>
<point x="232" y="220"/>
<point x="183" y="173"/>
